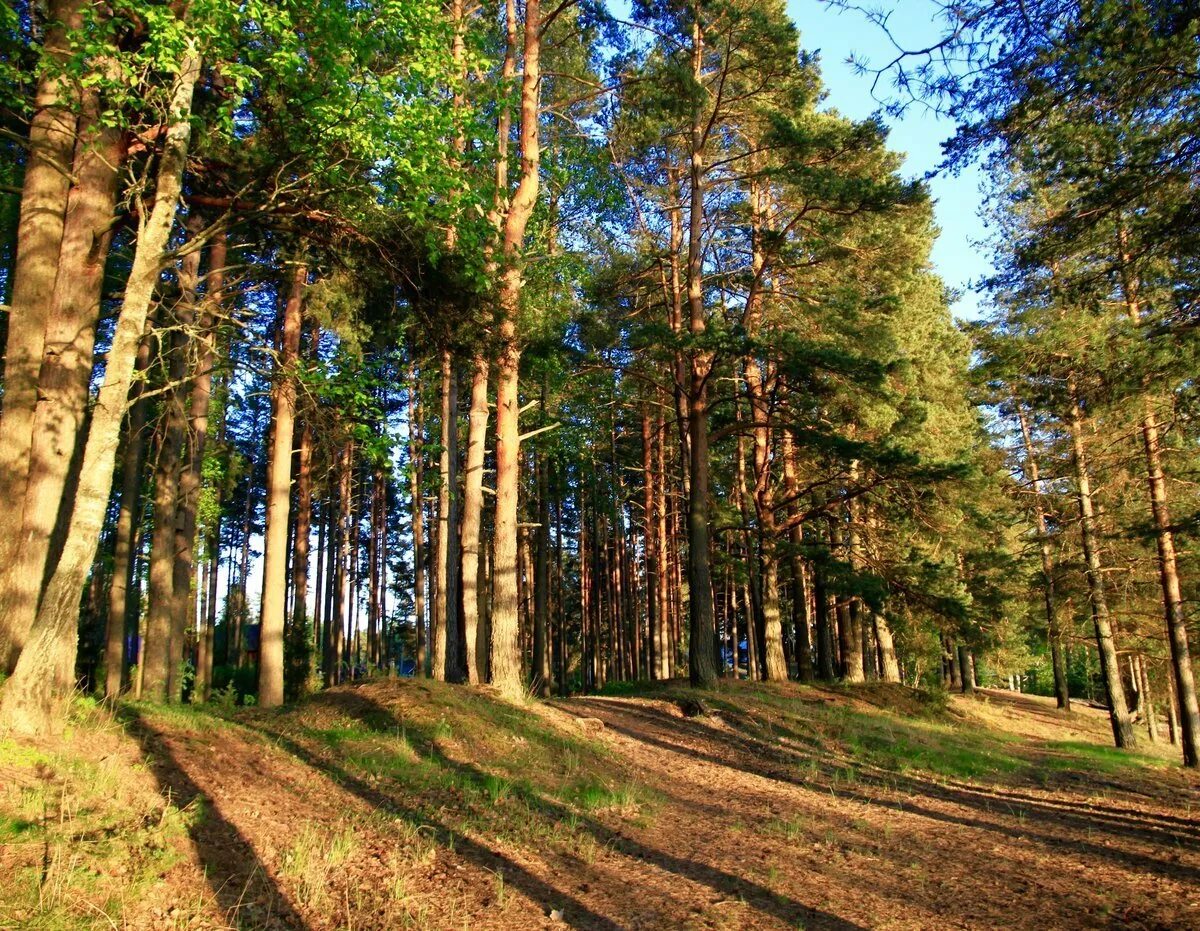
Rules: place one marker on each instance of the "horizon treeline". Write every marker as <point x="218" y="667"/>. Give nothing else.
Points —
<point x="534" y="346"/>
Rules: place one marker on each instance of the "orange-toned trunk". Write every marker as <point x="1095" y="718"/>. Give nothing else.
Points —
<point x="279" y="483"/>
<point x="34" y="698"/>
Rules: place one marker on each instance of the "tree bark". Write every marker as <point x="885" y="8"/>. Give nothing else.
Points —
<point x="1168" y="569"/>
<point x="889" y="667"/>
<point x="758" y="380"/>
<point x="445" y="606"/>
<point x="1062" y="693"/>
<point x="187" y="467"/>
<point x="191" y="480"/>
<point x="63" y="379"/>
<point x="1181" y="660"/>
<point x="702" y="631"/>
<point x="279" y="488"/>
<point x="650" y="548"/>
<point x="966" y="675"/>
<point x="301" y="551"/>
<point x="505" y="625"/>
<point x="1122" y="724"/>
<point x="1147" y="700"/>
<point x="44" y="194"/>
<point x="472" y="520"/>
<point x="799" y="594"/>
<point x="159" y="653"/>
<point x="540" y="667"/>
<point x="416" y="492"/>
<point x="824" y="624"/>
<point x="34" y="698"/>
<point x="119" y="602"/>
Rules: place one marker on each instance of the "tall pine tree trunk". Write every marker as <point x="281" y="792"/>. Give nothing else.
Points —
<point x="33" y="700"/>
<point x="63" y="378"/>
<point x="505" y="623"/>
<point x="1168" y="568"/>
<point x="540" y="668"/>
<point x="472" y="518"/>
<point x="279" y="490"/>
<point x="1122" y="724"/>
<point x="44" y="193"/>
<point x="417" y="493"/>
<point x="791" y="481"/>
<point x="702" y="629"/>
<point x="1181" y="660"/>
<point x="445" y="606"/>
<point x="158" y="654"/>
<point x="188" y="474"/>
<point x="119" y="602"/>
<point x="1062" y="694"/>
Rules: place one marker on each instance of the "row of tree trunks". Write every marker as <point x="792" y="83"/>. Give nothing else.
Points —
<point x="1168" y="568"/>
<point x="44" y="194"/>
<point x="33" y="698"/>
<point x="42" y="439"/>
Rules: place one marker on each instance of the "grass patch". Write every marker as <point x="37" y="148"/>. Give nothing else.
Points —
<point x="314" y="862"/>
<point x="85" y="833"/>
<point x="1080" y="756"/>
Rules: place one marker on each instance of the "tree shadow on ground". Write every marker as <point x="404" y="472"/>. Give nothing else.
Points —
<point x="239" y="880"/>
<point x="778" y="763"/>
<point x="423" y="741"/>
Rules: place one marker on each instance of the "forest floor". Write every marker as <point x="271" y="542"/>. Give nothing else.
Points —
<point x="414" y="804"/>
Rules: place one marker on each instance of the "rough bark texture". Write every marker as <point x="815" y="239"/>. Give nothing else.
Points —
<point x="1168" y="568"/>
<point x="34" y="698"/>
<point x="43" y="208"/>
<point x="279" y="487"/>
<point x="156" y="652"/>
<point x="966" y="674"/>
<point x="799" y="593"/>
<point x="702" y="627"/>
<point x="1168" y="574"/>
<point x="758" y="385"/>
<point x="889" y="667"/>
<point x="63" y="378"/>
<point x="539" y="669"/>
<point x="187" y="469"/>
<point x="202" y="382"/>
<point x="300" y="554"/>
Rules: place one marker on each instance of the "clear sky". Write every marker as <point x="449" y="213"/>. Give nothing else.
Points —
<point x="918" y="133"/>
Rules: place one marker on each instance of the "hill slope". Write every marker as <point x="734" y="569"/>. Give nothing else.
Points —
<point x="421" y="805"/>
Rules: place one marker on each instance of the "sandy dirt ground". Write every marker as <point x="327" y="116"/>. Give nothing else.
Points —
<point x="744" y="833"/>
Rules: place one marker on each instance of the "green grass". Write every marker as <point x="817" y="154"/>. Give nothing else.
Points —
<point x="1078" y="756"/>
<point x="80" y="841"/>
<point x="904" y="731"/>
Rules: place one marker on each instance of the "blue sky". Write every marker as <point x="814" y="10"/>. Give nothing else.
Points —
<point x="918" y="133"/>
